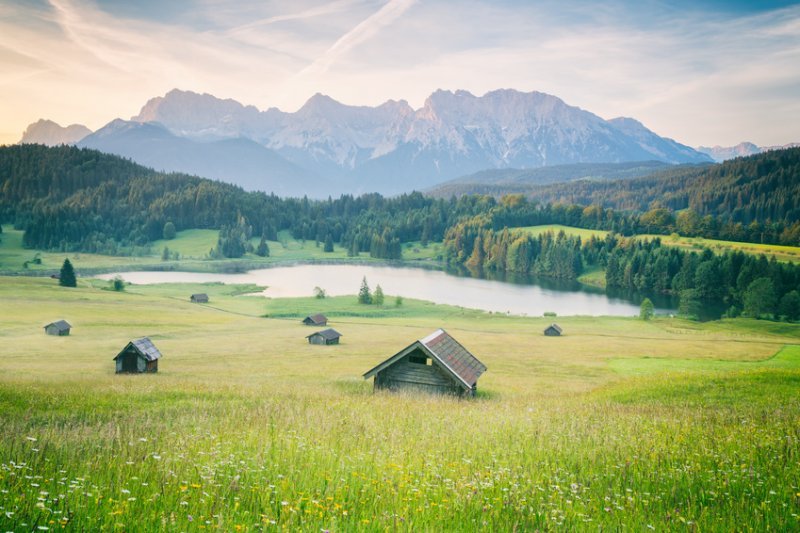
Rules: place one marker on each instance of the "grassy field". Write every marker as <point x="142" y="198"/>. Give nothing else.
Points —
<point x="193" y="247"/>
<point x="619" y="424"/>
<point x="781" y="253"/>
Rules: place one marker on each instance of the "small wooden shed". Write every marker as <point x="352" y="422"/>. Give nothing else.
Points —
<point x="438" y="364"/>
<point x="59" y="327"/>
<point x="553" y="330"/>
<point x="326" y="336"/>
<point x="201" y="298"/>
<point x="140" y="355"/>
<point x="316" y="320"/>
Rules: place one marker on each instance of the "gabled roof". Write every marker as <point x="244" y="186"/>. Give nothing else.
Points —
<point x="61" y="325"/>
<point x="145" y="347"/>
<point x="328" y="334"/>
<point x="452" y="356"/>
<point x="555" y="327"/>
<point x="200" y="296"/>
<point x="319" y="318"/>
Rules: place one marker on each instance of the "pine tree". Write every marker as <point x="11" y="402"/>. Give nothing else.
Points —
<point x="263" y="248"/>
<point x="364" y="296"/>
<point x="328" y="244"/>
<point x="377" y="297"/>
<point x="67" y="276"/>
<point x="646" y="311"/>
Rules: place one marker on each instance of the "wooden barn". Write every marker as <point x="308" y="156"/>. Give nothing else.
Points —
<point x="59" y="327"/>
<point x="316" y="320"/>
<point x="140" y="355"/>
<point x="437" y="364"/>
<point x="553" y="330"/>
<point x="201" y="298"/>
<point x="326" y="336"/>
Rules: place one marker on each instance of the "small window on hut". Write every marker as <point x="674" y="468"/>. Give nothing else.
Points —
<point x="418" y="359"/>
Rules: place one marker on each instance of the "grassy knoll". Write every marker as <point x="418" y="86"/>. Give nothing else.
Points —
<point x="247" y="427"/>
<point x="569" y="230"/>
<point x="781" y="253"/>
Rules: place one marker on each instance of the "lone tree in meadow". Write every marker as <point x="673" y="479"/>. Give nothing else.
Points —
<point x="328" y="244"/>
<point x="377" y="296"/>
<point x="364" y="297"/>
<point x="646" y="311"/>
<point x="67" y="276"/>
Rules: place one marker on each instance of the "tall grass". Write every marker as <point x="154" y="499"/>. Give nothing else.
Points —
<point x="246" y="427"/>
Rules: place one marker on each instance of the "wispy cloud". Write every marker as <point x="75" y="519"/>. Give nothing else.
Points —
<point x="365" y="30"/>
<point x="702" y="77"/>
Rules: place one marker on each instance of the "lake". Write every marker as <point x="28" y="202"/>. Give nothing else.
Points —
<point x="527" y="297"/>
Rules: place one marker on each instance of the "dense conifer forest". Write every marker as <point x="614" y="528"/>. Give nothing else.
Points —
<point x="71" y="199"/>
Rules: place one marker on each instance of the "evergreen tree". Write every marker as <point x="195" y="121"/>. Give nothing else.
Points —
<point x="165" y="254"/>
<point x="790" y="306"/>
<point x="646" y="311"/>
<point x="689" y="304"/>
<point x="328" y="244"/>
<point x="759" y="298"/>
<point x="263" y="248"/>
<point x="364" y="296"/>
<point x="377" y="297"/>
<point x="67" y="275"/>
<point x="169" y="231"/>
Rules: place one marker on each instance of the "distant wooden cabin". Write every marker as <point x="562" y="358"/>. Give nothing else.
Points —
<point x="326" y="336"/>
<point x="201" y="298"/>
<point x="140" y="355"/>
<point x="553" y="330"/>
<point x="437" y="364"/>
<point x="59" y="327"/>
<point x="316" y="320"/>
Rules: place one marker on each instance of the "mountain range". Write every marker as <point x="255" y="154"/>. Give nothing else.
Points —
<point x="723" y="153"/>
<point x="327" y="147"/>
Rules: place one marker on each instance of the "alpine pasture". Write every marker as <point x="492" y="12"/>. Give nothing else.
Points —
<point x="618" y="424"/>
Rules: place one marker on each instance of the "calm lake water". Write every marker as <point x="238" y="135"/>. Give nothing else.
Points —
<point x="525" y="296"/>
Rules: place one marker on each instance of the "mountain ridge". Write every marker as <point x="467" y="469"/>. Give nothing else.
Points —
<point x="389" y="148"/>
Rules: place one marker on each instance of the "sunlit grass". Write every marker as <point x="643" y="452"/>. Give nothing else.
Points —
<point x="248" y="427"/>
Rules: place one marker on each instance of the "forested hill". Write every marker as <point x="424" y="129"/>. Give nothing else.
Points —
<point x="761" y="188"/>
<point x="69" y="198"/>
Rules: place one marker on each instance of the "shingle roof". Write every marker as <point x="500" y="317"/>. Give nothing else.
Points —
<point x="200" y="296"/>
<point x="464" y="366"/>
<point x="61" y="325"/>
<point x="458" y="360"/>
<point x="145" y="347"/>
<point x="327" y="334"/>
<point x="319" y="318"/>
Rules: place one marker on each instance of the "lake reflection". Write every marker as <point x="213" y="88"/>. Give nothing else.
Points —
<point x="523" y="296"/>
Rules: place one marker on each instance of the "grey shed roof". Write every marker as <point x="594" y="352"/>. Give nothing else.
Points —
<point x="61" y="325"/>
<point x="319" y="318"/>
<point x="439" y="345"/>
<point x="327" y="334"/>
<point x="555" y="327"/>
<point x="145" y="347"/>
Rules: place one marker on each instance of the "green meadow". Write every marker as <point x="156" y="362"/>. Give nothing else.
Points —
<point x="192" y="247"/>
<point x="781" y="253"/>
<point x="618" y="424"/>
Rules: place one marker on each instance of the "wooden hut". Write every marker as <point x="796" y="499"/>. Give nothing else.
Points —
<point x="326" y="336"/>
<point x="59" y="327"/>
<point x="140" y="355"/>
<point x="438" y="364"/>
<point x="201" y="298"/>
<point x="316" y="320"/>
<point x="553" y="330"/>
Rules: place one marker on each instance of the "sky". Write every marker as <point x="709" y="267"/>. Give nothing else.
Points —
<point x="703" y="72"/>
